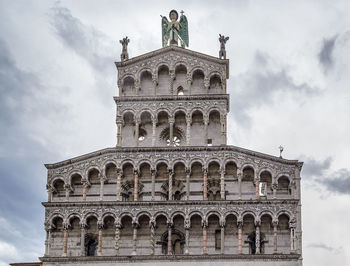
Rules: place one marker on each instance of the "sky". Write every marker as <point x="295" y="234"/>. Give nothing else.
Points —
<point x="288" y="85"/>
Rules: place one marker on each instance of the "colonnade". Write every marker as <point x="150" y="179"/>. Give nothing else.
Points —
<point x="152" y="237"/>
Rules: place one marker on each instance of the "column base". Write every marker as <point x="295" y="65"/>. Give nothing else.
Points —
<point x="133" y="253"/>
<point x="64" y="255"/>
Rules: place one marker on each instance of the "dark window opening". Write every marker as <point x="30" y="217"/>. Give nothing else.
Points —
<point x="217" y="239"/>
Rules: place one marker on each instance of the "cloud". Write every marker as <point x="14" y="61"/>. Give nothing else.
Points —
<point x="338" y="182"/>
<point x="325" y="56"/>
<point x="88" y="42"/>
<point x="323" y="246"/>
<point x="315" y="168"/>
<point x="257" y="86"/>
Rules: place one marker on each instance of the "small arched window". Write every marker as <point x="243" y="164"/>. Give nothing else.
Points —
<point x="180" y="91"/>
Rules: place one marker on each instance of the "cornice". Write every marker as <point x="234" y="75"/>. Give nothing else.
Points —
<point x="118" y="99"/>
<point x="175" y="49"/>
<point x="168" y="203"/>
<point x="209" y="257"/>
<point x="173" y="149"/>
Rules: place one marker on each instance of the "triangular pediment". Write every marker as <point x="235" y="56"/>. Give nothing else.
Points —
<point x="173" y="52"/>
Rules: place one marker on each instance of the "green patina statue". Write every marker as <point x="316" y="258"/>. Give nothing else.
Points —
<point x="173" y="30"/>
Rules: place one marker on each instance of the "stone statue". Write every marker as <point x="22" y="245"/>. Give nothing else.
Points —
<point x="174" y="30"/>
<point x="125" y="41"/>
<point x="222" y="40"/>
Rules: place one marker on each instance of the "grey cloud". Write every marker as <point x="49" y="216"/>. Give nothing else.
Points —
<point x="257" y="86"/>
<point x="325" y="56"/>
<point x="320" y="245"/>
<point x="315" y="168"/>
<point x="338" y="182"/>
<point x="88" y="42"/>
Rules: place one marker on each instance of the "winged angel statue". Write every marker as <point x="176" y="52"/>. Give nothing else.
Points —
<point x="173" y="30"/>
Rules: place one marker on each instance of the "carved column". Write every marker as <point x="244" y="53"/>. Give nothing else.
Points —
<point x="188" y="172"/>
<point x="170" y="195"/>
<point x="153" y="174"/>
<point x="275" y="223"/>
<point x="222" y="239"/>
<point x="134" y="238"/>
<point x="99" y="246"/>
<point x="152" y="240"/>
<point x="136" y="185"/>
<point x="137" y="123"/>
<point x="171" y="131"/>
<point x="205" y="184"/>
<point x="48" y="230"/>
<point x="172" y="78"/>
<point x="137" y="86"/>
<point x="119" y="122"/>
<point x="102" y="182"/>
<point x="187" y="226"/>
<point x="274" y="189"/>
<point x="222" y="184"/>
<point x="206" y="122"/>
<point x="189" y="82"/>
<point x="118" y="225"/>
<point x="154" y="126"/>
<point x="292" y="226"/>
<point x="118" y="186"/>
<point x="257" y="237"/>
<point x="205" y="226"/>
<point x="65" y="239"/>
<point x="240" y="227"/>
<point x="257" y="181"/>
<point x="206" y="85"/>
<point x="68" y="189"/>
<point x="50" y="191"/>
<point x="239" y="175"/>
<point x="188" y="129"/>
<point x="82" y="238"/>
<point x="155" y="82"/>
<point x="223" y="129"/>
<point x="170" y="245"/>
<point x="86" y="185"/>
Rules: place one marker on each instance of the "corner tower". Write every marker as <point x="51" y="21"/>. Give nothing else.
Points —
<point x="172" y="191"/>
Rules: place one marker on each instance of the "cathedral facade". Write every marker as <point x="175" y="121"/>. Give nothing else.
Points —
<point x="172" y="192"/>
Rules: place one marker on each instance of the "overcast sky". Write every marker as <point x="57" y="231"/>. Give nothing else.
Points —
<point x="289" y="85"/>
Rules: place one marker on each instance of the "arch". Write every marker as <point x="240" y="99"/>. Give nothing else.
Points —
<point x="234" y="213"/>
<point x="213" y="160"/>
<point x="142" y="71"/>
<point x="91" y="168"/>
<point x="73" y="173"/>
<point x="143" y="213"/>
<point x="143" y="111"/>
<point x="72" y="216"/>
<point x="246" y="213"/>
<point x="196" y="160"/>
<point x="197" y="110"/>
<point x="144" y="161"/>
<point x="126" y="214"/>
<point x="159" y="161"/>
<point x="215" y="84"/>
<point x="214" y="73"/>
<point x="109" y="162"/>
<point x="108" y="214"/>
<point x="177" y="213"/>
<point x="125" y="162"/>
<point x="161" y="213"/>
<point x="266" y="212"/>
<point x="248" y="173"/>
<point x="128" y="117"/>
<point x="199" y="213"/>
<point x="212" y="213"/>
<point x="163" y="72"/>
<point x="197" y="68"/>
<point x="53" y="216"/>
<point x="128" y="85"/>
<point x="284" y="212"/>
<point x="55" y="179"/>
<point x="284" y="175"/>
<point x="180" y="65"/>
<point x="90" y="214"/>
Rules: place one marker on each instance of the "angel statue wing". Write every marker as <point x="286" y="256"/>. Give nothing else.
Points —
<point x="184" y="30"/>
<point x="165" y="32"/>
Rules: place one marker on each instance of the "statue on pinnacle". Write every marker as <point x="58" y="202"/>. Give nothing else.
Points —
<point x="174" y="31"/>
